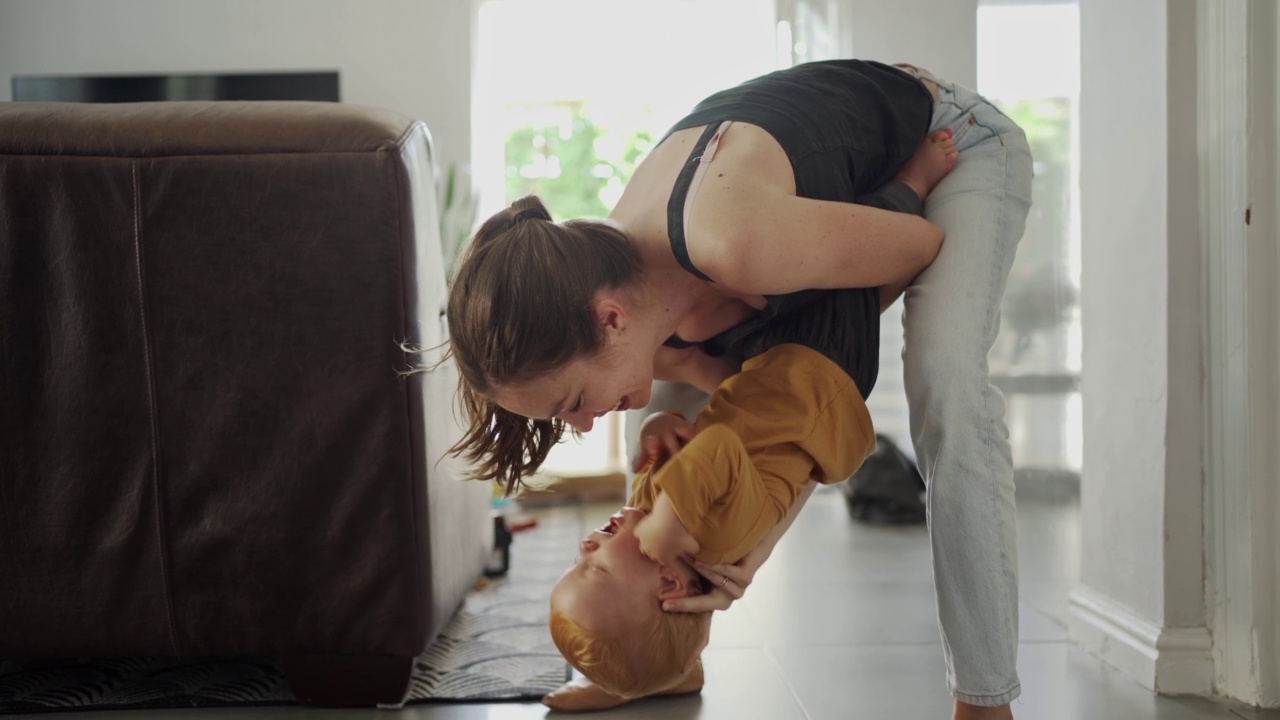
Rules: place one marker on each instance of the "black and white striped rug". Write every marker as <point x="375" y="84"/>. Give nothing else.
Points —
<point x="496" y="648"/>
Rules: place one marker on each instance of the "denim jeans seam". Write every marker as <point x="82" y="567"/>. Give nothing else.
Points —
<point x="962" y="111"/>
<point x="998" y="135"/>
<point x="947" y="96"/>
<point x="985" y="391"/>
<point x="993" y="320"/>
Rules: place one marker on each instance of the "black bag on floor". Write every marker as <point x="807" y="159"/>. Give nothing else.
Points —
<point x="887" y="489"/>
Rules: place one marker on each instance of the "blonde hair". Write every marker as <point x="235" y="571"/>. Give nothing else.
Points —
<point x="647" y="657"/>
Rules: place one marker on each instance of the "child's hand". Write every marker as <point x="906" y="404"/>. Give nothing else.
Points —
<point x="661" y="436"/>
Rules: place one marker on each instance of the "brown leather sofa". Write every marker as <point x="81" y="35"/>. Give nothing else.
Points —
<point x="205" y="446"/>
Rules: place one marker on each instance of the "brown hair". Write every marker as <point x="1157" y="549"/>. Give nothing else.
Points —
<point x="648" y="657"/>
<point x="521" y="307"/>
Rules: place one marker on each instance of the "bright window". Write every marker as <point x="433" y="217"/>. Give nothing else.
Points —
<point x="1029" y="66"/>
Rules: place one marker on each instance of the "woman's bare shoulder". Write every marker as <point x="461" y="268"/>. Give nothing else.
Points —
<point x="748" y="176"/>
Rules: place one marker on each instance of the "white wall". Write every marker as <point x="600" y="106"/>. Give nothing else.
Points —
<point x="895" y="31"/>
<point x="1268" y="187"/>
<point x="1269" y="557"/>
<point x="1125" y="279"/>
<point x="1141" y="600"/>
<point x="1184" y="430"/>
<point x="1245" y="576"/>
<point x="411" y="56"/>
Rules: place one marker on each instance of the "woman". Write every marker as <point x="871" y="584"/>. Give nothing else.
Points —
<point x="740" y="219"/>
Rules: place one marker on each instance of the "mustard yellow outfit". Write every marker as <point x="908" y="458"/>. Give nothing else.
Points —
<point x="790" y="414"/>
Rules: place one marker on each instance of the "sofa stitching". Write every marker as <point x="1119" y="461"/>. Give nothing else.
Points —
<point x="155" y="426"/>
<point x="404" y="134"/>
<point x="420" y="623"/>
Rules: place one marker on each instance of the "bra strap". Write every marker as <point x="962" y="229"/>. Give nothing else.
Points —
<point x="675" y="206"/>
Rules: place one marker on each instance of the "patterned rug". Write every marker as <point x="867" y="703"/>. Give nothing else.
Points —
<point x="496" y="648"/>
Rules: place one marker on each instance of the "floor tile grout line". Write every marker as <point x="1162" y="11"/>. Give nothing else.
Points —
<point x="1063" y="641"/>
<point x="786" y="680"/>
<point x="877" y="644"/>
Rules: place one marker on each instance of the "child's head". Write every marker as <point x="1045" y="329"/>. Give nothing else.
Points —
<point x="607" y="617"/>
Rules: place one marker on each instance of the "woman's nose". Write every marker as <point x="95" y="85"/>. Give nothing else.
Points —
<point x="587" y="546"/>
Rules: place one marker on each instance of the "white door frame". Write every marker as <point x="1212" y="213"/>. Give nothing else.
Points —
<point x="1236" y="48"/>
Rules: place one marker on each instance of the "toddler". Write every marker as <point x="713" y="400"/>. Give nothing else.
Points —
<point x="789" y="415"/>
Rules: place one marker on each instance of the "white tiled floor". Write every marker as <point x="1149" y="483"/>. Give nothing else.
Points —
<point x="841" y="624"/>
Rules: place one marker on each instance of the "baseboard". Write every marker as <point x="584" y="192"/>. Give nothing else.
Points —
<point x="1169" y="661"/>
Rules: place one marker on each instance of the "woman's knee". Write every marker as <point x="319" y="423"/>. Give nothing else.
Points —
<point x="952" y="386"/>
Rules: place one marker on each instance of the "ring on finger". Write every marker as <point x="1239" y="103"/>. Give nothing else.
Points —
<point x="724" y="581"/>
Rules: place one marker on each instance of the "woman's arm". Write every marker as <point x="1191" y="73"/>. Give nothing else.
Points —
<point x="754" y="559"/>
<point x="767" y="242"/>
<point x="891" y="292"/>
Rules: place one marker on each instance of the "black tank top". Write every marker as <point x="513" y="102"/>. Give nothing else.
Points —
<point x="847" y="126"/>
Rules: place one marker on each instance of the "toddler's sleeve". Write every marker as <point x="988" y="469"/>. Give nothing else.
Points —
<point x="719" y="495"/>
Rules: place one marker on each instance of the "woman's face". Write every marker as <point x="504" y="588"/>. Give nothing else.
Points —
<point x="617" y="378"/>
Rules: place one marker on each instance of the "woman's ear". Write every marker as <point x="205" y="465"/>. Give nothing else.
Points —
<point x="610" y="311"/>
<point x="671" y="585"/>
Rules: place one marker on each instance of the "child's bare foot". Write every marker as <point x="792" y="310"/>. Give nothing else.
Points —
<point x="933" y="160"/>
<point x="581" y="695"/>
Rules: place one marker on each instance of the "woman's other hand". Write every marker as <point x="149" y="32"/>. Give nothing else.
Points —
<point x="661" y="436"/>
<point x="729" y="583"/>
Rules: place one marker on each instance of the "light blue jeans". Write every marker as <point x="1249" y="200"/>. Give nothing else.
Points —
<point x="950" y="321"/>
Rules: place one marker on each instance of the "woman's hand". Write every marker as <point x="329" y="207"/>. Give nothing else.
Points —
<point x="729" y="582"/>
<point x="661" y="436"/>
